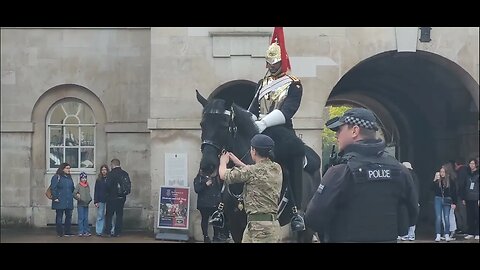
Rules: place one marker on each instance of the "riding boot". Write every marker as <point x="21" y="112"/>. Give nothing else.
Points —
<point x="297" y="223"/>
<point x="296" y="179"/>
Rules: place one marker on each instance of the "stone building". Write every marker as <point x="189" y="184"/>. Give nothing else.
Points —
<point x="88" y="95"/>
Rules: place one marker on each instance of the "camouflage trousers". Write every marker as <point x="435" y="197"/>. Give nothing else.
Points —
<point x="262" y="232"/>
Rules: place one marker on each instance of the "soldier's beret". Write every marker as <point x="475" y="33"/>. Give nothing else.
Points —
<point x="262" y="141"/>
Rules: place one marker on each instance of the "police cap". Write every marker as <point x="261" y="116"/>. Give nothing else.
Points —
<point x="356" y="116"/>
<point x="262" y="141"/>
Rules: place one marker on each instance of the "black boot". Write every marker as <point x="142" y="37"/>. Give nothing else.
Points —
<point x="296" y="179"/>
<point x="206" y="239"/>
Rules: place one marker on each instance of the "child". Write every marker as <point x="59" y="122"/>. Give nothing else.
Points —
<point x="82" y="195"/>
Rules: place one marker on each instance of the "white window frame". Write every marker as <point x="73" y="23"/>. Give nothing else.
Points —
<point x="79" y="146"/>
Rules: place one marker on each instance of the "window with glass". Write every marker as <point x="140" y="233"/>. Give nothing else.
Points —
<point x="71" y="136"/>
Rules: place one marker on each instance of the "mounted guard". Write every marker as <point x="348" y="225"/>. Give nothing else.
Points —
<point x="277" y="99"/>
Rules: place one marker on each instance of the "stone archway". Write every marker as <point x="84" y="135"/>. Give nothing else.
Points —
<point x="427" y="103"/>
<point x="39" y="176"/>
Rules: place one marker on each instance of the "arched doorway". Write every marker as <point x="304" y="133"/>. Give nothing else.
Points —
<point x="428" y="106"/>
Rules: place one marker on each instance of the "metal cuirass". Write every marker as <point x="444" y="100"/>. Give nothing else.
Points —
<point x="274" y="98"/>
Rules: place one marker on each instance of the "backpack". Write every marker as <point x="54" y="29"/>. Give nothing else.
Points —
<point x="124" y="186"/>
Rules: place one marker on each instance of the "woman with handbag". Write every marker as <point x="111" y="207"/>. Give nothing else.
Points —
<point x="445" y="198"/>
<point x="62" y="199"/>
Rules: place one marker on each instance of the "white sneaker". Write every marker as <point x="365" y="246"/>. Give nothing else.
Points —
<point x="411" y="238"/>
<point x="469" y="236"/>
<point x="404" y="238"/>
<point x="476" y="237"/>
<point x="447" y="238"/>
<point x="437" y="239"/>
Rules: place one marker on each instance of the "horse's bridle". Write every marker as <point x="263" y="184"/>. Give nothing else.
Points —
<point x="222" y="148"/>
<point x="231" y="127"/>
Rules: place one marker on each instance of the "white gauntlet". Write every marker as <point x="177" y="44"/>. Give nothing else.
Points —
<point x="274" y="118"/>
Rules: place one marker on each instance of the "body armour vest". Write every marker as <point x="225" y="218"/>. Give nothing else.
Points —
<point x="370" y="210"/>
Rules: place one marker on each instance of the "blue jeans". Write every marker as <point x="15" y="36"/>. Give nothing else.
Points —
<point x="440" y="210"/>
<point x="83" y="220"/>
<point x="59" y="223"/>
<point x="100" y="218"/>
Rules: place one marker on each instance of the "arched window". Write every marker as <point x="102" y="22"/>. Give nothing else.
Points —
<point x="71" y="136"/>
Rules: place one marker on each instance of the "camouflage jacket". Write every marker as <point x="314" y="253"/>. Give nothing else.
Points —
<point x="263" y="182"/>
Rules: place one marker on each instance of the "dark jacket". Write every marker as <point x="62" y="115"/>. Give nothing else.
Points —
<point x="450" y="191"/>
<point x="208" y="196"/>
<point x="403" y="219"/>
<point x="362" y="208"/>
<point x="469" y="194"/>
<point x="113" y="180"/>
<point x="100" y="193"/>
<point x="462" y="175"/>
<point x="416" y="182"/>
<point x="62" y="189"/>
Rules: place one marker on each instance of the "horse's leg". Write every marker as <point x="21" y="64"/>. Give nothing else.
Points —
<point x="236" y="220"/>
<point x="304" y="236"/>
<point x="237" y="225"/>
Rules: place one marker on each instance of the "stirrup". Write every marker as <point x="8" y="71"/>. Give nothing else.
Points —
<point x="297" y="223"/>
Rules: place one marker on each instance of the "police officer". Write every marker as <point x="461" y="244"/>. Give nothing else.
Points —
<point x="358" y="199"/>
<point x="263" y="181"/>
<point x="277" y="100"/>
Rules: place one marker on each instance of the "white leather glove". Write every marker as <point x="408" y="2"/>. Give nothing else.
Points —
<point x="253" y="116"/>
<point x="274" y="118"/>
<point x="261" y="125"/>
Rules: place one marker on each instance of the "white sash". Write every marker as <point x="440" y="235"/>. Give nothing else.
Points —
<point x="274" y="85"/>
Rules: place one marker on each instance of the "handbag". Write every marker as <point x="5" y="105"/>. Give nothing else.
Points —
<point x="48" y="193"/>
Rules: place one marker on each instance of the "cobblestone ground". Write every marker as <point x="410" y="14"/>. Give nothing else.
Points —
<point x="48" y="235"/>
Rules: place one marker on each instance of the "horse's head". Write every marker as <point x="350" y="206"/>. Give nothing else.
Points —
<point x="217" y="130"/>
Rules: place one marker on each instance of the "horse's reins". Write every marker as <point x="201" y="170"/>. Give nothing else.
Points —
<point x="258" y="91"/>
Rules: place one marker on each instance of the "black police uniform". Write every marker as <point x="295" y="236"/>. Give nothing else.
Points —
<point x="358" y="200"/>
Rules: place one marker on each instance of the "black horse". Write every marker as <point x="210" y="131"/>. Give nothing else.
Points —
<point x="226" y="126"/>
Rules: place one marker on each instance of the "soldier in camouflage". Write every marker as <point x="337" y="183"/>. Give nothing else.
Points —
<point x="263" y="182"/>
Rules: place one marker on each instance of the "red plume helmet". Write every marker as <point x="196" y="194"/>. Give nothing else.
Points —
<point x="277" y="50"/>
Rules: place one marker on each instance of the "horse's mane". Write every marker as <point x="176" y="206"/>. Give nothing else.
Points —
<point x="244" y="122"/>
<point x="214" y="104"/>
